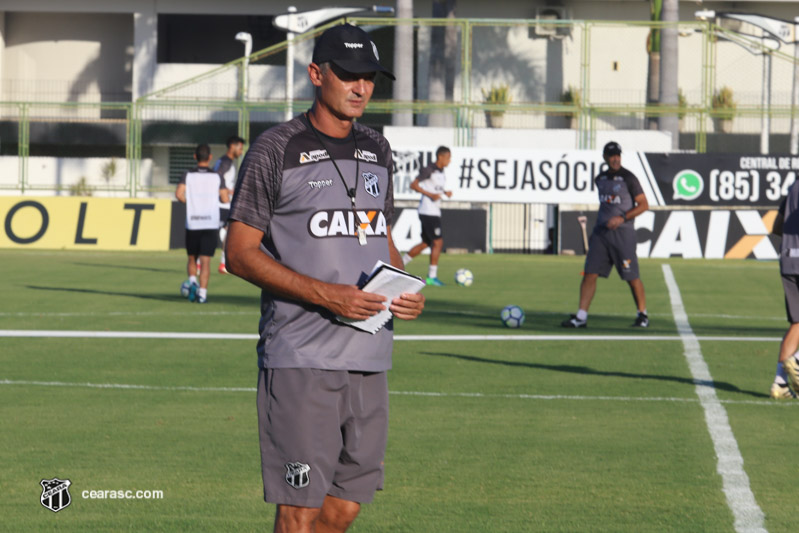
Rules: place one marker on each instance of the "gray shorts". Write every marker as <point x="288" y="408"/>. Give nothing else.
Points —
<point x="790" y="284"/>
<point x="607" y="248"/>
<point x="322" y="432"/>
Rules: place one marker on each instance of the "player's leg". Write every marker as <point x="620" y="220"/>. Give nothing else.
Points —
<point x="205" y="273"/>
<point x="192" y="253"/>
<point x="208" y="243"/>
<point x="413" y="252"/>
<point x="291" y="519"/>
<point x="337" y="515"/>
<point x="623" y="250"/>
<point x="787" y="363"/>
<point x="431" y="234"/>
<point x="598" y="262"/>
<point x="365" y="432"/>
<point x="191" y="267"/>
<point x="587" y="290"/>
<point x="637" y="288"/>
<point x="300" y="432"/>
<point x="222" y="238"/>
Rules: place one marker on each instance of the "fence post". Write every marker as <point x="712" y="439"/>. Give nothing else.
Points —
<point x="23" y="148"/>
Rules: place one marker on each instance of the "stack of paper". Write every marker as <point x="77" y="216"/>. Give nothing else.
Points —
<point x="390" y="282"/>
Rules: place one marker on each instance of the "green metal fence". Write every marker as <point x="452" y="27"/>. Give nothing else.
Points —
<point x="589" y="76"/>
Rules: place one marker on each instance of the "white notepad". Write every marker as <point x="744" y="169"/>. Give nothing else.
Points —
<point x="390" y="282"/>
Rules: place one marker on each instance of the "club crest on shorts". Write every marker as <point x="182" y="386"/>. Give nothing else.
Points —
<point x="297" y="475"/>
<point x="370" y="183"/>
<point x="55" y="494"/>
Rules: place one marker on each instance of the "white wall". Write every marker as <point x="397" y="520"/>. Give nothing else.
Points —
<point x="66" y="57"/>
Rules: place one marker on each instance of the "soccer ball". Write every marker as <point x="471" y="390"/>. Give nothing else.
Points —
<point x="185" y="287"/>
<point x="512" y="316"/>
<point x="464" y="277"/>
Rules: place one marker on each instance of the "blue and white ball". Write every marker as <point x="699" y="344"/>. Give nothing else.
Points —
<point x="185" y="287"/>
<point x="464" y="277"/>
<point x="512" y="316"/>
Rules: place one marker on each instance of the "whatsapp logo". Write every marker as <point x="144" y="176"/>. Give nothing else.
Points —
<point x="688" y="185"/>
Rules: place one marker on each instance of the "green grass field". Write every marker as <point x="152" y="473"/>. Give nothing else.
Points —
<point x="568" y="435"/>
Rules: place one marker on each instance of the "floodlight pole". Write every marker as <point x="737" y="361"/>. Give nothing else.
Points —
<point x="246" y="39"/>
<point x="795" y="96"/>
<point x="290" y="68"/>
<point x="765" y="102"/>
<point x="294" y="23"/>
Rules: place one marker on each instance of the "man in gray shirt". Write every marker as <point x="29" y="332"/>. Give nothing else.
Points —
<point x="310" y="218"/>
<point x="613" y="241"/>
<point x="787" y="225"/>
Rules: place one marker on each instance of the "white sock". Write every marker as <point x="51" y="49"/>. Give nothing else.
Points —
<point x="223" y="258"/>
<point x="406" y="259"/>
<point x="193" y="280"/>
<point x="432" y="272"/>
<point x="582" y="315"/>
<point x="202" y="292"/>
<point x="644" y="312"/>
<point x="781" y="378"/>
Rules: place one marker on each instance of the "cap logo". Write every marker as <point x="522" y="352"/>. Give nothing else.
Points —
<point x="374" y="47"/>
<point x="353" y="45"/>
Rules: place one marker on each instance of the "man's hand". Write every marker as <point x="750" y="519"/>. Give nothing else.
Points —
<point x="407" y="306"/>
<point x="351" y="302"/>
<point x="448" y="193"/>
<point x="615" y="222"/>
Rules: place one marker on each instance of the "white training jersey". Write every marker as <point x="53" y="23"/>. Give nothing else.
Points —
<point x="225" y="167"/>
<point x="433" y="180"/>
<point x="202" y="198"/>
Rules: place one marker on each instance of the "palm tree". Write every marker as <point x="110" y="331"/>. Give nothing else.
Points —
<point x="443" y="50"/>
<point x="403" y="62"/>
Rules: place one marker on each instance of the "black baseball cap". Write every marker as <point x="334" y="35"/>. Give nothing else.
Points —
<point x="612" y="148"/>
<point x="350" y="48"/>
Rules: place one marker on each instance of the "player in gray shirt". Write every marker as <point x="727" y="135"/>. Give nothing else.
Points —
<point x="786" y="224"/>
<point x="613" y="241"/>
<point x="310" y="217"/>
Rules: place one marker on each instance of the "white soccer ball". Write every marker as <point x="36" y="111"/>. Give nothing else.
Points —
<point x="185" y="287"/>
<point x="464" y="277"/>
<point x="512" y="316"/>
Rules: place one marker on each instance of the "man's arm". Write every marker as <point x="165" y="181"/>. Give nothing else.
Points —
<point x="641" y="205"/>
<point x="416" y="187"/>
<point x="180" y="192"/>
<point x="779" y="221"/>
<point x="245" y="259"/>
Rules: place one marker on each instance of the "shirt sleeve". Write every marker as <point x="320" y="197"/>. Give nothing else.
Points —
<point x="388" y="208"/>
<point x="182" y="180"/>
<point x="633" y="185"/>
<point x="222" y="184"/>
<point x="258" y="187"/>
<point x="425" y="173"/>
<point x="223" y="165"/>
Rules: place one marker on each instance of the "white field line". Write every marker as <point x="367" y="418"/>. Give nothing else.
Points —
<point x="749" y="518"/>
<point x="46" y="314"/>
<point x="426" y="394"/>
<point x="41" y="333"/>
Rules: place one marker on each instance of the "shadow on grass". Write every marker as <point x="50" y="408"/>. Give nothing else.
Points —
<point x="214" y="298"/>
<point x="131" y="267"/>
<point x="572" y="369"/>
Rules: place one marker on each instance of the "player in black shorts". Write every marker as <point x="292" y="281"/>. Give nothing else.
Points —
<point x="613" y="241"/>
<point x="787" y="225"/>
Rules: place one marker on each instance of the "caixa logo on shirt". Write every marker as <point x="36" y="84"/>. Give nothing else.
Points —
<point x="345" y="223"/>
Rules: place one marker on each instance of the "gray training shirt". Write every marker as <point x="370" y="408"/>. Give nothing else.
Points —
<point x="617" y="192"/>
<point x="789" y="246"/>
<point x="289" y="188"/>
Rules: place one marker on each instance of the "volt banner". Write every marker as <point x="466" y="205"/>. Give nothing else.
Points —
<point x="80" y="223"/>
